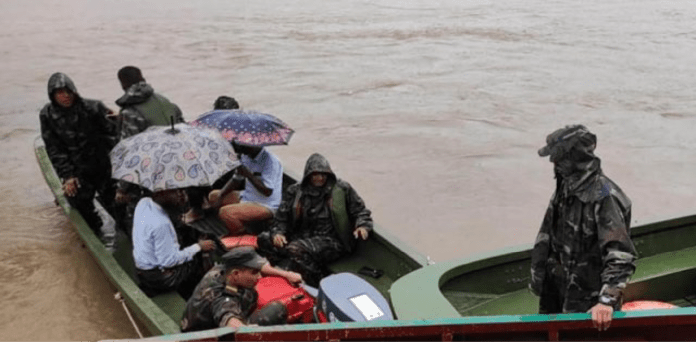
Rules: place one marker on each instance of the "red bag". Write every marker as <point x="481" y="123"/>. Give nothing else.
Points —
<point x="297" y="301"/>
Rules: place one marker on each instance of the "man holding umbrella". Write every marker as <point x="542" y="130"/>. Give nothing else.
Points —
<point x="249" y="131"/>
<point x="259" y="200"/>
<point x="161" y="265"/>
<point x="165" y="161"/>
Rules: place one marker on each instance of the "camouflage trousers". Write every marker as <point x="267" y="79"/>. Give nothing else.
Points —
<point x="307" y="256"/>
<point x="83" y="202"/>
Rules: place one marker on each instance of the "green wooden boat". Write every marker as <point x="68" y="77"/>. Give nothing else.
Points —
<point x="485" y="298"/>
<point x="160" y="315"/>
<point x="482" y="297"/>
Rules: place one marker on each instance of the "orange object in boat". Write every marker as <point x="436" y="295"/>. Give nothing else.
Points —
<point x="646" y="305"/>
<point x="238" y="241"/>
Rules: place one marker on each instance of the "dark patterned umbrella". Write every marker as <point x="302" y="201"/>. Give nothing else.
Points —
<point x="247" y="127"/>
<point x="163" y="157"/>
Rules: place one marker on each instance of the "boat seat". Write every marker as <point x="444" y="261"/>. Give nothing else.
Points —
<point x="677" y="268"/>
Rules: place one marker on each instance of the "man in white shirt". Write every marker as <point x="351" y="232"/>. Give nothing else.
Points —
<point x="161" y="265"/>
<point x="261" y="195"/>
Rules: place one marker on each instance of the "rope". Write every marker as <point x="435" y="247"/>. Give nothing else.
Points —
<point x="119" y="298"/>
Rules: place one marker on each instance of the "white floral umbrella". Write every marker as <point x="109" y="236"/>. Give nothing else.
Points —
<point x="173" y="157"/>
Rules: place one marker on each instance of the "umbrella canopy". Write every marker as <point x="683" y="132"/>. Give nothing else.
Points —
<point x="247" y="127"/>
<point x="163" y="157"/>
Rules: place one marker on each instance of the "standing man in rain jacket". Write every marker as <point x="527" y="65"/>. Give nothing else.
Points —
<point x="583" y="256"/>
<point x="318" y="221"/>
<point x="140" y="106"/>
<point x="78" y="137"/>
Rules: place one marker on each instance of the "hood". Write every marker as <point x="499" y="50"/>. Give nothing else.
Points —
<point x="317" y="163"/>
<point x="60" y="80"/>
<point x="137" y="93"/>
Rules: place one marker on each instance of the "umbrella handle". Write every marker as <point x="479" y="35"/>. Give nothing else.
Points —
<point x="172" y="130"/>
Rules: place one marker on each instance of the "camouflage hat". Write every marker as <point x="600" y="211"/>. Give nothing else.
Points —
<point x="243" y="256"/>
<point x="564" y="139"/>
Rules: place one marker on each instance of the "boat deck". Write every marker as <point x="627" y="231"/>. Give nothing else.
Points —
<point x="668" y="277"/>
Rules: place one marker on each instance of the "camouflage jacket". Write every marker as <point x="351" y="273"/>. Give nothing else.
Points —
<point x="78" y="139"/>
<point x="213" y="303"/>
<point x="583" y="249"/>
<point x="300" y="216"/>
<point x="141" y="108"/>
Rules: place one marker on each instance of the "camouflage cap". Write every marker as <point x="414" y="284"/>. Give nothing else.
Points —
<point x="243" y="256"/>
<point x="564" y="139"/>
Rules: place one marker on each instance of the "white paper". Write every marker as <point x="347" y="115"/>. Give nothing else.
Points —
<point x="367" y="307"/>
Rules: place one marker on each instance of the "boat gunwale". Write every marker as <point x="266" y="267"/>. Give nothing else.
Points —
<point x="551" y="324"/>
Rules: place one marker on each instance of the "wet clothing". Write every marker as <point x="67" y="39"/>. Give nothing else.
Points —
<point x="213" y="303"/>
<point x="141" y="108"/>
<point x="583" y="253"/>
<point x="160" y="263"/>
<point x="269" y="170"/>
<point x="318" y="222"/>
<point x="78" y="140"/>
<point x="155" y="242"/>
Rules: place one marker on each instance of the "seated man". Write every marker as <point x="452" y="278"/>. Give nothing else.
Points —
<point x="160" y="263"/>
<point x="226" y="295"/>
<point x="78" y="137"/>
<point x="320" y="217"/>
<point x="260" y="199"/>
<point x="225" y="102"/>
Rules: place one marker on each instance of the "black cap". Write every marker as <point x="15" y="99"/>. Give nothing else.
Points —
<point x="562" y="140"/>
<point x="243" y="256"/>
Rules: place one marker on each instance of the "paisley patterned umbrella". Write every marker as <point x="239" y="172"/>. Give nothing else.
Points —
<point x="247" y="127"/>
<point x="175" y="157"/>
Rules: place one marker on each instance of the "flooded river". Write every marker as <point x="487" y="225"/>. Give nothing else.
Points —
<point x="433" y="110"/>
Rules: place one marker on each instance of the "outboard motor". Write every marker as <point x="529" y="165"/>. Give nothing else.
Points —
<point x="346" y="297"/>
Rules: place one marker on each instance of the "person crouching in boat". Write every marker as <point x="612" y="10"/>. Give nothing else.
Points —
<point x="261" y="196"/>
<point x="160" y="263"/>
<point x="78" y="135"/>
<point x="318" y="221"/>
<point x="226" y="297"/>
<point x="583" y="256"/>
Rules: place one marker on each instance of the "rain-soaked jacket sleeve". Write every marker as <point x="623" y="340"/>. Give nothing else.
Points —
<point x="132" y="122"/>
<point x="56" y="150"/>
<point x="282" y="220"/>
<point x="357" y="210"/>
<point x="540" y="253"/>
<point x="619" y="254"/>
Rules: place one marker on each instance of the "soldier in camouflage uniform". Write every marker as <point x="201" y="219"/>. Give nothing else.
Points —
<point x="226" y="296"/>
<point x="321" y="217"/>
<point x="583" y="256"/>
<point x="78" y="137"/>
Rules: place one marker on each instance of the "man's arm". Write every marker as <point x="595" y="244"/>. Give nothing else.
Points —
<point x="618" y="255"/>
<point x="293" y="277"/>
<point x="167" y="250"/>
<point x="540" y="252"/>
<point x="57" y="152"/>
<point x="359" y="214"/>
<point x="255" y="180"/>
<point x="282" y="218"/>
